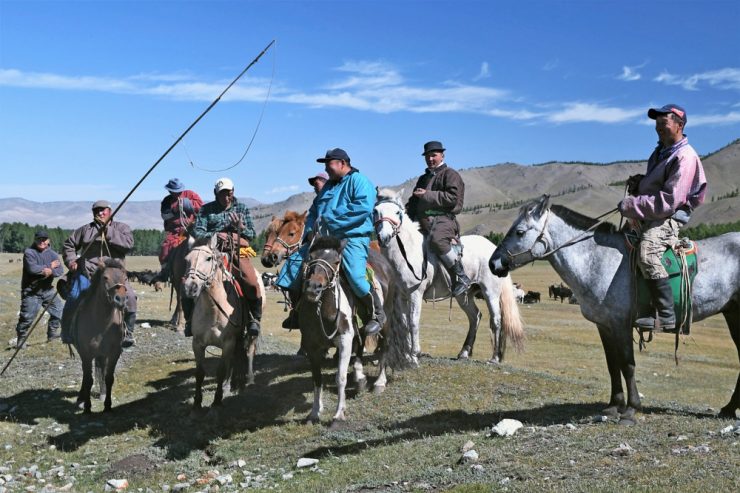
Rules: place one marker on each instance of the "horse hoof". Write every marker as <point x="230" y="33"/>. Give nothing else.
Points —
<point x="463" y="355"/>
<point x="727" y="412"/>
<point x="494" y="361"/>
<point x="108" y="409"/>
<point x="378" y="389"/>
<point x="312" y="420"/>
<point x="627" y="422"/>
<point x="611" y="412"/>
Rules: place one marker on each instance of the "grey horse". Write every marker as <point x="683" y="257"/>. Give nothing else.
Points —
<point x="594" y="261"/>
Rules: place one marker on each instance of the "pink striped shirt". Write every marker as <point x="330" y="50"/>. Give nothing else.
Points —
<point x="674" y="180"/>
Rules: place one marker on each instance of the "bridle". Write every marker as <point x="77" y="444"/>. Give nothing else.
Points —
<point x="194" y="272"/>
<point x="396" y="226"/>
<point x="332" y="273"/>
<point x="290" y="247"/>
<point x="529" y="256"/>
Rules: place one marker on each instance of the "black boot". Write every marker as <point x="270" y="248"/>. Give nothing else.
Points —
<point x="462" y="281"/>
<point x="662" y="298"/>
<point x="292" y="321"/>
<point x="255" y="312"/>
<point x="375" y="315"/>
<point x="129" y="323"/>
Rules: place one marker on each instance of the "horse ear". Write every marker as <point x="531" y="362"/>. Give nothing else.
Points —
<point x="342" y="244"/>
<point x="212" y="243"/>
<point x="400" y="192"/>
<point x="303" y="216"/>
<point x="540" y="206"/>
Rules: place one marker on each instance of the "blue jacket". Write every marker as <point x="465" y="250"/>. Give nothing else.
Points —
<point x="345" y="207"/>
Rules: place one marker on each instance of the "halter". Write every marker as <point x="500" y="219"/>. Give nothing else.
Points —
<point x="396" y="225"/>
<point x="206" y="278"/>
<point x="333" y="275"/>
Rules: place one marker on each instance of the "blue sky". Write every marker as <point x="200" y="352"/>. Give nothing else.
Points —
<point x="92" y="93"/>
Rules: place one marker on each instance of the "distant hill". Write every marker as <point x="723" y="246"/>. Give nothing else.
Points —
<point x="589" y="188"/>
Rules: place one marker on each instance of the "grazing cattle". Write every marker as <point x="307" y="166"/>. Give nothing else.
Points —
<point x="562" y="291"/>
<point x="531" y="297"/>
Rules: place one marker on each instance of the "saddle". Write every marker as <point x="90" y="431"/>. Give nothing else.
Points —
<point x="681" y="263"/>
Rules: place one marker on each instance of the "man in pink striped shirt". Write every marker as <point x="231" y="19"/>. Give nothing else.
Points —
<point x="662" y="201"/>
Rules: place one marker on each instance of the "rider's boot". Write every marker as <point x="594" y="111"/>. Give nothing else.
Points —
<point x="255" y="312"/>
<point x="662" y="298"/>
<point x="129" y="323"/>
<point x="460" y="281"/>
<point x="292" y="321"/>
<point x="374" y="313"/>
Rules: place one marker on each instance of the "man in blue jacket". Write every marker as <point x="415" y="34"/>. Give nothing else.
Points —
<point x="344" y="209"/>
<point x="41" y="265"/>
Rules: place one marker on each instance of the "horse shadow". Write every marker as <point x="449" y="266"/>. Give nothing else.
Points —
<point x="441" y="423"/>
<point x="281" y="388"/>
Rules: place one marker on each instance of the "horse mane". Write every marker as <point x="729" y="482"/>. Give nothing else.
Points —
<point x="326" y="243"/>
<point x="292" y="216"/>
<point x="580" y="221"/>
<point x="98" y="274"/>
<point x="388" y="194"/>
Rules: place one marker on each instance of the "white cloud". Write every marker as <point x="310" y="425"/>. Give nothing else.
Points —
<point x="484" y="72"/>
<point x="725" y="78"/>
<point x="551" y="65"/>
<point x="589" y="112"/>
<point x="717" y="119"/>
<point x="283" y="189"/>
<point x="629" y="74"/>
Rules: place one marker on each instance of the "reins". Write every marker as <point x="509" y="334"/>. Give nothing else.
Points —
<point x="333" y="275"/>
<point x="396" y="226"/>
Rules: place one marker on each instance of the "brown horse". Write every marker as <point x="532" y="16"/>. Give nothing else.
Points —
<point x="219" y="319"/>
<point x="98" y="329"/>
<point x="178" y="267"/>
<point x="283" y="238"/>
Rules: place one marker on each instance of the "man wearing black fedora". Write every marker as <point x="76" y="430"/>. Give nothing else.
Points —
<point x="436" y="200"/>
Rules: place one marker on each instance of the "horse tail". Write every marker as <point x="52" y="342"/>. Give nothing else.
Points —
<point x="511" y="319"/>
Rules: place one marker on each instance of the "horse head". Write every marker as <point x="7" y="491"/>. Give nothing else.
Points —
<point x="202" y="264"/>
<point x="283" y="238"/>
<point x="112" y="275"/>
<point x="388" y="215"/>
<point x="525" y="241"/>
<point x="321" y="270"/>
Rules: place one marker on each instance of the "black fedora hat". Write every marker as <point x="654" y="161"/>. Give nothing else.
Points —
<point x="433" y="145"/>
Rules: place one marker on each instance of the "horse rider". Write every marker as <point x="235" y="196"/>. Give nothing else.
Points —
<point x="660" y="202"/>
<point x="289" y="277"/>
<point x="41" y="265"/>
<point x="344" y="209"/>
<point x="178" y="210"/>
<point x="100" y="239"/>
<point x="231" y="221"/>
<point x="436" y="200"/>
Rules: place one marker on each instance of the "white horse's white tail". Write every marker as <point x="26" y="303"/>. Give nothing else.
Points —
<point x="511" y="320"/>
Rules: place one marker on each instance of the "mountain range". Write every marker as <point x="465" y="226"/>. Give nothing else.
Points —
<point x="492" y="195"/>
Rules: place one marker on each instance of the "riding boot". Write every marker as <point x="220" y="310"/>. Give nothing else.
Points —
<point x="129" y="322"/>
<point x="374" y="314"/>
<point x="188" y="305"/>
<point x="292" y="321"/>
<point x="255" y="312"/>
<point x="662" y="298"/>
<point x="462" y="281"/>
<point x="68" y="313"/>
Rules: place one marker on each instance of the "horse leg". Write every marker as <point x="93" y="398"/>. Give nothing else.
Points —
<point x="626" y="358"/>
<point x="415" y="302"/>
<point x="110" y="370"/>
<point x="344" y="348"/>
<point x="382" y="380"/>
<point x="356" y="361"/>
<point x="200" y="373"/>
<point x="100" y="377"/>
<point x="616" y="402"/>
<point x="474" y="315"/>
<point x="251" y="351"/>
<point x="224" y="369"/>
<point x="732" y="316"/>
<point x="315" y="358"/>
<point x="87" y="383"/>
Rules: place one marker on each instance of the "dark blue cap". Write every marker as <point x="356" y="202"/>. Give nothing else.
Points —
<point x="653" y="113"/>
<point x="433" y="145"/>
<point x="336" y="153"/>
<point x="174" y="185"/>
<point x="41" y="234"/>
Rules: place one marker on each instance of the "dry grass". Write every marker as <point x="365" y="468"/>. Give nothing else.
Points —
<point x="407" y="439"/>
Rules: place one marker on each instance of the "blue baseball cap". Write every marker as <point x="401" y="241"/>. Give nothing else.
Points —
<point x="331" y="154"/>
<point x="654" y="113"/>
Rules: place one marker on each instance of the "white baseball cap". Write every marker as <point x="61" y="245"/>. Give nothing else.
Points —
<point x="223" y="184"/>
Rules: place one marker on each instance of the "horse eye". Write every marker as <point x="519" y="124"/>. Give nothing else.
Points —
<point x="291" y="235"/>
<point x="520" y="232"/>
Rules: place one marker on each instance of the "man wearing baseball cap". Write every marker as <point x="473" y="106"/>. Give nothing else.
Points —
<point x="659" y="203"/>
<point x="231" y="221"/>
<point x="99" y="239"/>
<point x="40" y="266"/>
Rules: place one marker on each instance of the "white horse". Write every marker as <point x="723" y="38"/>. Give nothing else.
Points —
<point x="219" y="319"/>
<point x="422" y="277"/>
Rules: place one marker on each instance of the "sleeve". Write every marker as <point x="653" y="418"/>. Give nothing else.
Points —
<point x="355" y="213"/>
<point x="200" y="230"/>
<point x="195" y="200"/>
<point x="248" y="229"/>
<point x="445" y="198"/>
<point x="119" y="235"/>
<point x="310" y="218"/>
<point x="70" y="245"/>
<point x="666" y="201"/>
<point x="32" y="262"/>
<point x="58" y="271"/>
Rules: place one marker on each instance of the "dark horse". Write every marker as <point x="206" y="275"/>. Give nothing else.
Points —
<point x="178" y="266"/>
<point x="327" y="314"/>
<point x="98" y="329"/>
<point x="560" y="291"/>
<point x="593" y="259"/>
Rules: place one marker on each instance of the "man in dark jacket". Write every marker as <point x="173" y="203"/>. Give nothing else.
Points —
<point x="436" y="200"/>
<point x="40" y="266"/>
<point x="99" y="239"/>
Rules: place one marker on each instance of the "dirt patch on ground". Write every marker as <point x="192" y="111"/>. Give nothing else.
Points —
<point x="133" y="464"/>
